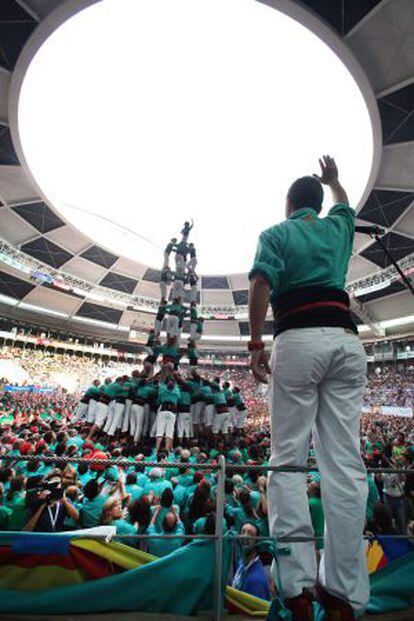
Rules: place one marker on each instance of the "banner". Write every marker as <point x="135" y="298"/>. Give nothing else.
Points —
<point x="396" y="411"/>
<point x="37" y="389"/>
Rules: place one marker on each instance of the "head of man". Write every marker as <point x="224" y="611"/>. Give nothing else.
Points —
<point x="249" y="530"/>
<point x="169" y="522"/>
<point x="304" y="192"/>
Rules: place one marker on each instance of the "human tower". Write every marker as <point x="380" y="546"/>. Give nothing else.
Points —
<point x="180" y="281"/>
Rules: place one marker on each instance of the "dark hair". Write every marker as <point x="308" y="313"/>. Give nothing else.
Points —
<point x="246" y="503"/>
<point x="167" y="498"/>
<point x="83" y="468"/>
<point x="199" y="503"/>
<point x="16" y="485"/>
<point x="229" y="486"/>
<point x="91" y="489"/>
<point x="131" y="478"/>
<point x="140" y="511"/>
<point x="306" y="192"/>
<point x="210" y="524"/>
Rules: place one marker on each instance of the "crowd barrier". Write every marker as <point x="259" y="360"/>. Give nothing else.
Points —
<point x="219" y="538"/>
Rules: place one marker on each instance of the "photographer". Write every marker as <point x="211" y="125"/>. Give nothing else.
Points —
<point x="50" y="508"/>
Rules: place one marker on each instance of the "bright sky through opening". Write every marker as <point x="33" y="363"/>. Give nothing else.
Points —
<point x="151" y="112"/>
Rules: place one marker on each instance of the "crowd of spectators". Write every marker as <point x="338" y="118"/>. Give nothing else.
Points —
<point x="138" y="499"/>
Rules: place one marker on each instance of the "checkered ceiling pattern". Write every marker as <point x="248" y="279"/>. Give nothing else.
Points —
<point x="379" y="34"/>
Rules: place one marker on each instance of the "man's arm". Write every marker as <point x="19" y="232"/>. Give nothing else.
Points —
<point x="329" y="176"/>
<point x="259" y="296"/>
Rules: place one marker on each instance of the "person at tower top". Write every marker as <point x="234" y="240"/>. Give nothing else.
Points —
<point x="318" y="373"/>
<point x="185" y="232"/>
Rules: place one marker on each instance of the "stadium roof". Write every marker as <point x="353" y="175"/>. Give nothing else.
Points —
<point x="85" y="286"/>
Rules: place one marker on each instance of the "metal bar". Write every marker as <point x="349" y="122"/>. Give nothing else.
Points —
<point x="68" y="534"/>
<point x="163" y="464"/>
<point x="218" y="575"/>
<point x="404" y="278"/>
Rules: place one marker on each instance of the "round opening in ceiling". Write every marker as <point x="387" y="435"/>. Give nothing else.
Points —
<point x="135" y="116"/>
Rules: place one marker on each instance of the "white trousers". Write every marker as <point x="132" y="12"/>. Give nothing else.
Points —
<point x="193" y="329"/>
<point x="197" y="411"/>
<point x="102" y="410"/>
<point x="192" y="264"/>
<point x="80" y="411"/>
<point x="193" y="293"/>
<point x="163" y="290"/>
<point x="172" y="325"/>
<point x="158" y="326"/>
<point x="115" y="421"/>
<point x="185" y="425"/>
<point x="177" y="289"/>
<point x="179" y="264"/>
<point x="165" y="423"/>
<point x="91" y="413"/>
<point x="136" y="421"/>
<point x="209" y="413"/>
<point x="317" y="382"/>
<point x="126" y="422"/>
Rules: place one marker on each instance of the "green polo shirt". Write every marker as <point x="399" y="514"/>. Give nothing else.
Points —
<point x="165" y="395"/>
<point x="306" y="250"/>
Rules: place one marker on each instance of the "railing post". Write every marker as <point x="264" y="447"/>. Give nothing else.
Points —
<point x="218" y="576"/>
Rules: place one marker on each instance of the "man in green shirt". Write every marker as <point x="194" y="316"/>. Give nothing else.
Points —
<point x="168" y="397"/>
<point x="318" y="372"/>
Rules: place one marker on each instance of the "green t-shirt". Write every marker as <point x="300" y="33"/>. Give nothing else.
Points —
<point x="91" y="511"/>
<point x="162" y="547"/>
<point x="19" y="513"/>
<point x="166" y="395"/>
<point x="135" y="491"/>
<point x="5" y="515"/>
<point x="125" y="528"/>
<point x="219" y="398"/>
<point x="306" y="250"/>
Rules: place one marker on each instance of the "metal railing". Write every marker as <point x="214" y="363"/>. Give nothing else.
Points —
<point x="219" y="535"/>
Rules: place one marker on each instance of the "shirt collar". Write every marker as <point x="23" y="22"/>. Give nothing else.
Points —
<point x="304" y="211"/>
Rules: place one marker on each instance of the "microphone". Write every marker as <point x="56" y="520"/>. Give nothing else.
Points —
<point x="373" y="229"/>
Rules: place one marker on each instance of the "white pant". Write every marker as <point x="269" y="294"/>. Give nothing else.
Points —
<point x="81" y="411"/>
<point x="240" y="419"/>
<point x="91" y="413"/>
<point x="209" y="412"/>
<point x="198" y="412"/>
<point x="177" y="289"/>
<point x="101" y="414"/>
<point x="127" y="416"/>
<point x="136" y="421"/>
<point x="163" y="290"/>
<point x="193" y="293"/>
<point x="158" y="326"/>
<point x="172" y="325"/>
<point x="192" y="264"/>
<point x="221" y="423"/>
<point x="184" y="425"/>
<point x="114" y="422"/>
<point x="165" y="424"/>
<point x="166" y="260"/>
<point x="179" y="264"/>
<point x="193" y="329"/>
<point x="318" y="378"/>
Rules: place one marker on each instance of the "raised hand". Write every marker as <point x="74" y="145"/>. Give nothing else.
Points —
<point x="329" y="170"/>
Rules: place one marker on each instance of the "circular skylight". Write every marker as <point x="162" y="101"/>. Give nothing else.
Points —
<point x="137" y="115"/>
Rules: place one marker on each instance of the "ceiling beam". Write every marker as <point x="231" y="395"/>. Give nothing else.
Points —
<point x="362" y="312"/>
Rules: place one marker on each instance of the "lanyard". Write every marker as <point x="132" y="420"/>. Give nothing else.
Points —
<point x="53" y="518"/>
